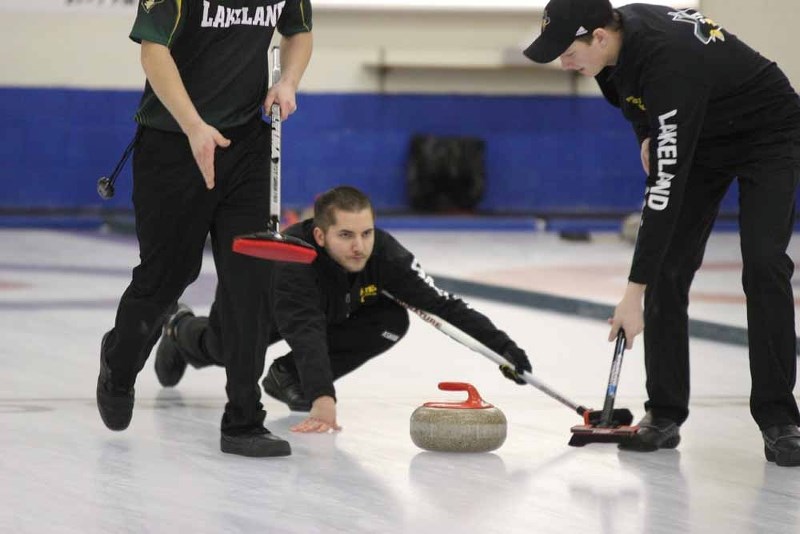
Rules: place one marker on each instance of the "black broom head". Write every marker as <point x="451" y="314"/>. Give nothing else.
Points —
<point x="585" y="434"/>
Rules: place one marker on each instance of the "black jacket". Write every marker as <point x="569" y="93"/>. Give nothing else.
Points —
<point x="308" y="298"/>
<point x="705" y="99"/>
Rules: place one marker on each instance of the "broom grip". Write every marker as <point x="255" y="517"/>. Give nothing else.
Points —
<point x="275" y="149"/>
<point x="613" y="379"/>
<point x="473" y="344"/>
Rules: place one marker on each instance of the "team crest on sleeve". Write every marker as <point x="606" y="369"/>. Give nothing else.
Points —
<point x="147" y="5"/>
<point x="705" y="29"/>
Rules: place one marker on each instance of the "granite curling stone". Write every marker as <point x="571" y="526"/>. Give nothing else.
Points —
<point x="469" y="426"/>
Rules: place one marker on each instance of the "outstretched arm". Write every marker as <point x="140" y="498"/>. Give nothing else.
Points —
<point x="409" y="283"/>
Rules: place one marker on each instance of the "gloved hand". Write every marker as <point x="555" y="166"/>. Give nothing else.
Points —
<point x="517" y="356"/>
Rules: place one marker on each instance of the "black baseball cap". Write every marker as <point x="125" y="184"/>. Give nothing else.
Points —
<point x="562" y="22"/>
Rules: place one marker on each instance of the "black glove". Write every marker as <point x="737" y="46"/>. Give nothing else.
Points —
<point x="517" y="356"/>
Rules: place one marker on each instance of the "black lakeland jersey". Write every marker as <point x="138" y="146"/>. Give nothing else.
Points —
<point x="221" y="50"/>
<point x="705" y="99"/>
<point x="307" y="298"/>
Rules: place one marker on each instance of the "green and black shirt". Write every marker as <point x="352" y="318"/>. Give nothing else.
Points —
<point x="221" y="49"/>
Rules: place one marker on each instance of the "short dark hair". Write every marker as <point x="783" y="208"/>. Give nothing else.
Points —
<point x="343" y="197"/>
<point x="613" y="24"/>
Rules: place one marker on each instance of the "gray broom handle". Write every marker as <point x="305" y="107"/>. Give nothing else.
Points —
<point x="275" y="154"/>
<point x="471" y="343"/>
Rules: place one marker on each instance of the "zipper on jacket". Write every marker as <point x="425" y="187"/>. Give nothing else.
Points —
<point x="347" y="303"/>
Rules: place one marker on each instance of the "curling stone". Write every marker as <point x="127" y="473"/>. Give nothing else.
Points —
<point x="469" y="426"/>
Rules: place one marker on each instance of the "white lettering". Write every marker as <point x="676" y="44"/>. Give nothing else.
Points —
<point x="662" y="185"/>
<point x="230" y="19"/>
<point x="656" y="202"/>
<point x="667" y="152"/>
<point x="219" y="19"/>
<point x="245" y="19"/>
<point x="258" y="19"/>
<point x="207" y="22"/>
<point x="225" y="17"/>
<point x="417" y="268"/>
<point x="662" y="119"/>
<point x="664" y="162"/>
<point x="272" y="16"/>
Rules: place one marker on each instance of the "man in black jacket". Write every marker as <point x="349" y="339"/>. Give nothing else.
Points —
<point x="706" y="108"/>
<point x="333" y="313"/>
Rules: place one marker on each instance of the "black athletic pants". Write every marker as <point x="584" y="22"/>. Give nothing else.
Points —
<point x="766" y="219"/>
<point x="367" y="333"/>
<point x="174" y="215"/>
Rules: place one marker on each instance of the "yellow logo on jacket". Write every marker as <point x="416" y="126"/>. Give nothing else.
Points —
<point x="368" y="292"/>
<point x="636" y="101"/>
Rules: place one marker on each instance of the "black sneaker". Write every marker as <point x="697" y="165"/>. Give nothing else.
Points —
<point x="283" y="385"/>
<point x="170" y="363"/>
<point x="654" y="433"/>
<point x="782" y="445"/>
<point x="257" y="443"/>
<point x="114" y="404"/>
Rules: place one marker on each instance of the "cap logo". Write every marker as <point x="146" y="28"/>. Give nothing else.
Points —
<point x="545" y="20"/>
<point x="581" y="31"/>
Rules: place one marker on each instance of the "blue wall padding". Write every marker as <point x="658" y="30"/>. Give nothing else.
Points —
<point x="543" y="153"/>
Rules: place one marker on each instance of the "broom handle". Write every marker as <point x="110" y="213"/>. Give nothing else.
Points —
<point x="275" y="149"/>
<point x="613" y="379"/>
<point x="471" y="343"/>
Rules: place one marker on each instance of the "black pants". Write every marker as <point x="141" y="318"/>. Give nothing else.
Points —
<point x="174" y="215"/>
<point x="766" y="219"/>
<point x="369" y="332"/>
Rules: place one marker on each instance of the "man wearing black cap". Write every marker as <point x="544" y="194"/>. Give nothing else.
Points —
<point x="706" y="108"/>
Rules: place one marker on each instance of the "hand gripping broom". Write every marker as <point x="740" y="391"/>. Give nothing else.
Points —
<point x="611" y="428"/>
<point x="271" y="244"/>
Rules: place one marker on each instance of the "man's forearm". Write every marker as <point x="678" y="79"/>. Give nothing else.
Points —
<point x="295" y="55"/>
<point x="165" y="79"/>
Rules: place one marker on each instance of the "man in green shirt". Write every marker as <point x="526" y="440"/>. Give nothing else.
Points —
<point x="201" y="165"/>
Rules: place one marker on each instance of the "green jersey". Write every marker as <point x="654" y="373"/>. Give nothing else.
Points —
<point x="221" y="49"/>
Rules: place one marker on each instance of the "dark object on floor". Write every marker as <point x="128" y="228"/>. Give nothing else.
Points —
<point x="575" y="235"/>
